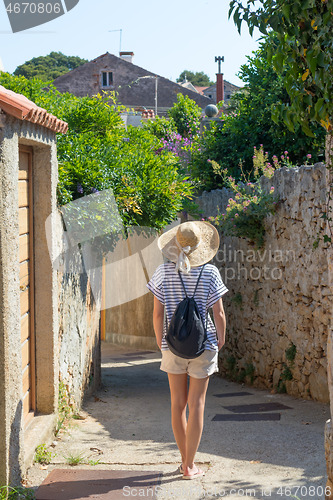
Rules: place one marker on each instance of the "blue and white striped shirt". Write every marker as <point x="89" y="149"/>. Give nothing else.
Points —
<point x="165" y="284"/>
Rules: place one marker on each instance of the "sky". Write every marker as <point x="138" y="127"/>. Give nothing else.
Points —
<point x="166" y="37"/>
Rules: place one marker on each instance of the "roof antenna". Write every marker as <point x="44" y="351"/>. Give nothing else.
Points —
<point x="120" y="32"/>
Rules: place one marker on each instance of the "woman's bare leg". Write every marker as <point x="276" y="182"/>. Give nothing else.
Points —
<point x="196" y="405"/>
<point x="178" y="391"/>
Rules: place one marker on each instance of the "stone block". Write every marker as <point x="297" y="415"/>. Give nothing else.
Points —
<point x="300" y="388"/>
<point x="276" y="376"/>
<point x="292" y="387"/>
<point x="319" y="386"/>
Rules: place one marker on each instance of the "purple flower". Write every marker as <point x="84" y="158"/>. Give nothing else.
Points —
<point x="308" y="156"/>
<point x="79" y="188"/>
<point x="94" y="190"/>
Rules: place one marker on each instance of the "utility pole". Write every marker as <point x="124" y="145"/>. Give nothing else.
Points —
<point x="156" y="78"/>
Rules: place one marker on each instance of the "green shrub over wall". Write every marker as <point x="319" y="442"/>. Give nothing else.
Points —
<point x="98" y="153"/>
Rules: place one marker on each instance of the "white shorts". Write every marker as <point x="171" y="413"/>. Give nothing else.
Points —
<point x="201" y="367"/>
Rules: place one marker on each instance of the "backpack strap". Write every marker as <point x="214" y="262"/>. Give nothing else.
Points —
<point x="181" y="279"/>
<point x="196" y="286"/>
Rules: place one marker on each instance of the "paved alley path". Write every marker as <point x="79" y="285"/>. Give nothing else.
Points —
<point x="255" y="444"/>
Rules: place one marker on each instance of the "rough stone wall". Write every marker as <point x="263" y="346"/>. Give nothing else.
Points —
<point x="79" y="324"/>
<point x="278" y="304"/>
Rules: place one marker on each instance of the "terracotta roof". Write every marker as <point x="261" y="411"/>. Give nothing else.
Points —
<point x="19" y="106"/>
<point x="200" y="89"/>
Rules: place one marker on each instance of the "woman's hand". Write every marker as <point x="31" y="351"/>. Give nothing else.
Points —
<point x="158" y="318"/>
<point x="219" y="319"/>
<point x="220" y="343"/>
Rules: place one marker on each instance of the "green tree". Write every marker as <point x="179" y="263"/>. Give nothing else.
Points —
<point x="199" y="79"/>
<point x="230" y="141"/>
<point x="301" y="51"/>
<point x="49" y="67"/>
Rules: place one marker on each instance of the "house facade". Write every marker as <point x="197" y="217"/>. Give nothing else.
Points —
<point x="229" y="89"/>
<point x="134" y="86"/>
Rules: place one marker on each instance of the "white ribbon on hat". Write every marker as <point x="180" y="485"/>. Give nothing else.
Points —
<point x="183" y="262"/>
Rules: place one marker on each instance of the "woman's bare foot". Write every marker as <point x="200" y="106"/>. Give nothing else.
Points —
<point x="192" y="472"/>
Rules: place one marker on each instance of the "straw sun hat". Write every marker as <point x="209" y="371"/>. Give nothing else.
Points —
<point x="190" y="244"/>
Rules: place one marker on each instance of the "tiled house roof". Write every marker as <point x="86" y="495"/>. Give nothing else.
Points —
<point x="133" y="85"/>
<point x="200" y="89"/>
<point x="19" y="106"/>
<point x="229" y="89"/>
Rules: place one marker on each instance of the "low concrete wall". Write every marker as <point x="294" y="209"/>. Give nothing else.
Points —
<point x="278" y="305"/>
<point x="131" y="323"/>
<point x="129" y="304"/>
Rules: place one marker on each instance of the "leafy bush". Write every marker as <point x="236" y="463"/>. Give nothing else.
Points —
<point x="161" y="127"/>
<point x="97" y="153"/>
<point x="246" y="210"/>
<point x="186" y="113"/>
<point x="146" y="182"/>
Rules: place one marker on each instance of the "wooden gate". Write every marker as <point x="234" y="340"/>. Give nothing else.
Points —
<point x="27" y="281"/>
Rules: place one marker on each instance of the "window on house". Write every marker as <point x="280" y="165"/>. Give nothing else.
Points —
<point x="210" y="96"/>
<point x="107" y="78"/>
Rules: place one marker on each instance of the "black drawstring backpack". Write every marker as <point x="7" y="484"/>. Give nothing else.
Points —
<point x="187" y="334"/>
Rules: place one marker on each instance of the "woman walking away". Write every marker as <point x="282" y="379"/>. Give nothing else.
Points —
<point x="189" y="247"/>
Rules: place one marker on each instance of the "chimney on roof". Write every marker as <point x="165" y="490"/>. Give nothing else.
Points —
<point x="127" y="56"/>
<point x="219" y="88"/>
<point x="219" y="80"/>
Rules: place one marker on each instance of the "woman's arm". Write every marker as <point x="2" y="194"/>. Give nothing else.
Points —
<point x="158" y="317"/>
<point x="220" y="323"/>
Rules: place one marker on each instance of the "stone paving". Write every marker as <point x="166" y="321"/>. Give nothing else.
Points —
<point x="244" y="450"/>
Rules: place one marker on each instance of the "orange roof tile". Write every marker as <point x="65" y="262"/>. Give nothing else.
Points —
<point x="19" y="106"/>
<point x="200" y="89"/>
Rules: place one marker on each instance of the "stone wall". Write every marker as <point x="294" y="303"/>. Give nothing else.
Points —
<point x="79" y="323"/>
<point x="278" y="304"/>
